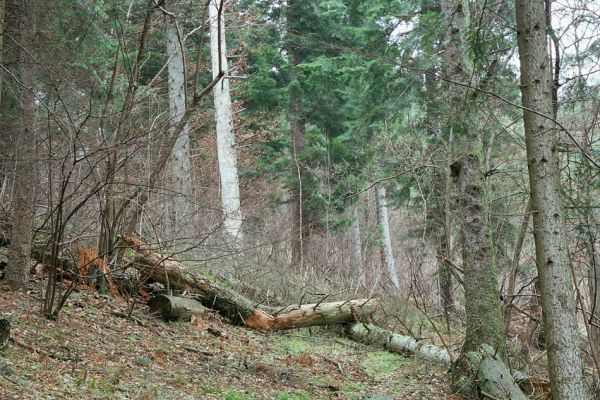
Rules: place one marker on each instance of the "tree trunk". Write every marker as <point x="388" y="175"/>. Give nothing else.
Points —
<point x="437" y="231"/>
<point x="493" y="379"/>
<point x="375" y="335"/>
<point x="230" y="190"/>
<point x="299" y="233"/>
<point x="514" y="268"/>
<point x="180" y="158"/>
<point x="356" y="247"/>
<point x="482" y="298"/>
<point x="484" y="317"/>
<point x="560" y="324"/>
<point x="387" y="254"/>
<point x="17" y="272"/>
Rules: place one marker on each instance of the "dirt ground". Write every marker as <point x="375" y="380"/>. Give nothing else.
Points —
<point x="91" y="352"/>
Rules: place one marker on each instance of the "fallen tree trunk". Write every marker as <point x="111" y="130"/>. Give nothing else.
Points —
<point x="491" y="377"/>
<point x="173" y="307"/>
<point x="340" y="312"/>
<point x="239" y="309"/>
<point x="372" y="334"/>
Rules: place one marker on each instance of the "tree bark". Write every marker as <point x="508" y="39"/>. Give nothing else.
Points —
<point x="296" y="118"/>
<point x="515" y="266"/>
<point x="180" y="157"/>
<point x="356" y="247"/>
<point x="371" y="334"/>
<point x="173" y="307"/>
<point x="387" y="253"/>
<point x="490" y="374"/>
<point x="17" y="272"/>
<point x="482" y="303"/>
<point x="482" y="298"/>
<point x="560" y="324"/>
<point x="226" y="152"/>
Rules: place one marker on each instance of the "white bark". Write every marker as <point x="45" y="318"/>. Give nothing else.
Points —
<point x="181" y="150"/>
<point x="356" y="247"/>
<point x="371" y="334"/>
<point x="388" y="255"/>
<point x="230" y="191"/>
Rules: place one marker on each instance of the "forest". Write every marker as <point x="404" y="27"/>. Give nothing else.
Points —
<point x="293" y="200"/>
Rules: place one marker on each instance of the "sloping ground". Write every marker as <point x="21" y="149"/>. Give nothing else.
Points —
<point x="91" y="353"/>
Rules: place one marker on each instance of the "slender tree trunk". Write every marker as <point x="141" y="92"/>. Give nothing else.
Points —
<point x="437" y="231"/>
<point x="594" y="289"/>
<point x="230" y="189"/>
<point x="17" y="272"/>
<point x="556" y="282"/>
<point x="387" y="254"/>
<point x="297" y="130"/>
<point x="180" y="159"/>
<point x="356" y="247"/>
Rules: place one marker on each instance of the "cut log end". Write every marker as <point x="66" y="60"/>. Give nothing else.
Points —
<point x="172" y="307"/>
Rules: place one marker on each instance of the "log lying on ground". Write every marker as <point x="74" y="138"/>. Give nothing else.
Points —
<point x="239" y="309"/>
<point x="173" y="307"/>
<point x="491" y="376"/>
<point x="340" y="312"/>
<point x="371" y="334"/>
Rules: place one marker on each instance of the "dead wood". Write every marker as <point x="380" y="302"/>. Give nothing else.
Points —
<point x="239" y="309"/>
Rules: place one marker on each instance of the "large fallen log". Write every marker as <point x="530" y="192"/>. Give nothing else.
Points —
<point x="239" y="309"/>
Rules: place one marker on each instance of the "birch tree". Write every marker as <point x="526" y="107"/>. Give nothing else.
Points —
<point x="226" y="152"/>
<point x="558" y="302"/>
<point x="180" y="158"/>
<point x="387" y="253"/>
<point x="356" y="247"/>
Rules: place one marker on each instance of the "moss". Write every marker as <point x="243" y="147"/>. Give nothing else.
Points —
<point x="296" y="346"/>
<point x="293" y="396"/>
<point x="381" y="363"/>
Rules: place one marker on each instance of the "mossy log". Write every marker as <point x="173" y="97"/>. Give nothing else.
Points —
<point x="239" y="309"/>
<point x="371" y="334"/>
<point x="173" y="307"/>
<point x="492" y="378"/>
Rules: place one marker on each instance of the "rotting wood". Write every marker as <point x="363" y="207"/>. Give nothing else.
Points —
<point x="239" y="309"/>
<point x="173" y="307"/>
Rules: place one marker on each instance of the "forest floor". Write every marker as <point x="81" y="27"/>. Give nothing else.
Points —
<point x="90" y="353"/>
